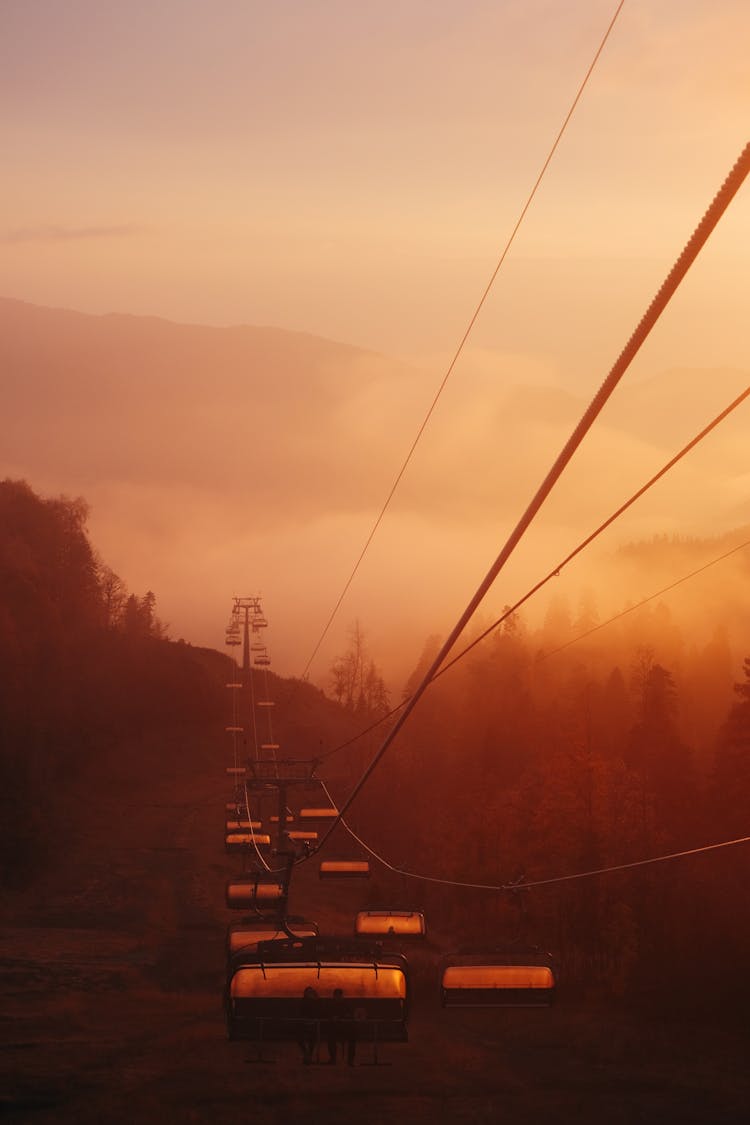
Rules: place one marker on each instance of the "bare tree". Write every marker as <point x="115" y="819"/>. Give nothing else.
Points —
<point x="356" y="680"/>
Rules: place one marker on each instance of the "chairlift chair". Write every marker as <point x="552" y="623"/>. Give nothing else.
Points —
<point x="262" y="895"/>
<point x="243" y="936"/>
<point x="264" y="993"/>
<point x="243" y="841"/>
<point x="344" y="869"/>
<point x="498" y="979"/>
<point x="242" y="825"/>
<point x="383" y="923"/>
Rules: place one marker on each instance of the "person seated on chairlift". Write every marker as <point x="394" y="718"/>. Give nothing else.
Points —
<point x="341" y="1028"/>
<point x="308" y="1039"/>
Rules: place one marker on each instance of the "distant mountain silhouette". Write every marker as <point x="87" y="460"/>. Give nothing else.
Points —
<point x="314" y="426"/>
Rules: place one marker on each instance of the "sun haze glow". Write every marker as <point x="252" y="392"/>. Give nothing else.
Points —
<point x="351" y="172"/>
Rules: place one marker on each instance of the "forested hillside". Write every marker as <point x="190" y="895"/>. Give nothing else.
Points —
<point x="87" y="665"/>
<point x="531" y="759"/>
<point x="534" y="758"/>
<point x="84" y="662"/>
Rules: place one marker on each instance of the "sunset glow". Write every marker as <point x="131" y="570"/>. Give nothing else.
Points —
<point x="374" y="477"/>
<point x="348" y="175"/>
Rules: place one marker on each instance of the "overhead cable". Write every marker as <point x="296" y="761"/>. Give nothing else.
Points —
<point x="602" y="527"/>
<point x="464" y="338"/>
<point x="554" y="573"/>
<point x="645" y="601"/>
<point x="697" y="240"/>
<point x="521" y="886"/>
<point x="516" y="886"/>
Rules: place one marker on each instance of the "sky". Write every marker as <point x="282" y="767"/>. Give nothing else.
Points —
<point x="352" y="171"/>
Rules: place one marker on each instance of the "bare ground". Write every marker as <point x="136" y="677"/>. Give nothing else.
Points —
<point x="112" y="974"/>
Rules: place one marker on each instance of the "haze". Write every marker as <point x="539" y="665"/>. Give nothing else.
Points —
<point x="347" y="174"/>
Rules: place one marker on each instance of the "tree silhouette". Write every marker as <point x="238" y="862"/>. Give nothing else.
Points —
<point x="731" y="774"/>
<point x="357" y="683"/>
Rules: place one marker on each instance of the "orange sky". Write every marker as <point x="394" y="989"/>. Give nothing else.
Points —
<point x="352" y="171"/>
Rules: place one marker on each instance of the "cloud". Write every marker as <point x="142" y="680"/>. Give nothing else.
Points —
<point x="218" y="457"/>
<point x="50" y="233"/>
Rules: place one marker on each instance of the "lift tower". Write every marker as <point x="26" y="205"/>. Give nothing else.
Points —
<point x="246" y="625"/>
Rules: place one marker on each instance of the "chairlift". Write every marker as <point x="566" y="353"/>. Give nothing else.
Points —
<point x="270" y="746"/>
<point x="241" y="841"/>
<point x="327" y="813"/>
<point x="243" y="937"/>
<point x="275" y="820"/>
<point x="264" y="996"/>
<point x="259" y="622"/>
<point x="265" y="703"/>
<point x="234" y="685"/>
<point x="344" y="869"/>
<point x="255" y="894"/>
<point x="264" y="661"/>
<point x="303" y="837"/>
<point x="237" y="842"/>
<point x="500" y="979"/>
<point x="234" y="730"/>
<point x="383" y="923"/>
<point x="243" y="825"/>
<point x="236" y="771"/>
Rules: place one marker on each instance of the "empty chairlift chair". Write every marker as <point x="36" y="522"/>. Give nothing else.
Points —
<point x="498" y="979"/>
<point x="344" y="869"/>
<point x="242" y="825"/>
<point x="264" y="997"/>
<point x="384" y="923"/>
<point x="326" y="813"/>
<point x="245" y="841"/>
<point x="265" y="896"/>
<point x="243" y="937"/>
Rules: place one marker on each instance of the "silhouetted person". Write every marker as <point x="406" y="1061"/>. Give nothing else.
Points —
<point x="310" y="1011"/>
<point x="341" y="1028"/>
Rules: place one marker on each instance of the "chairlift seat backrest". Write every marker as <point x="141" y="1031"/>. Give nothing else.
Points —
<point x="511" y="980"/>
<point x="245" y="936"/>
<point x="264" y="1000"/>
<point x="246" y="894"/>
<point x="344" y="869"/>
<point x="381" y="923"/>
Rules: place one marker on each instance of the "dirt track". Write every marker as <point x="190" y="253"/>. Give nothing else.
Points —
<point x="112" y="980"/>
